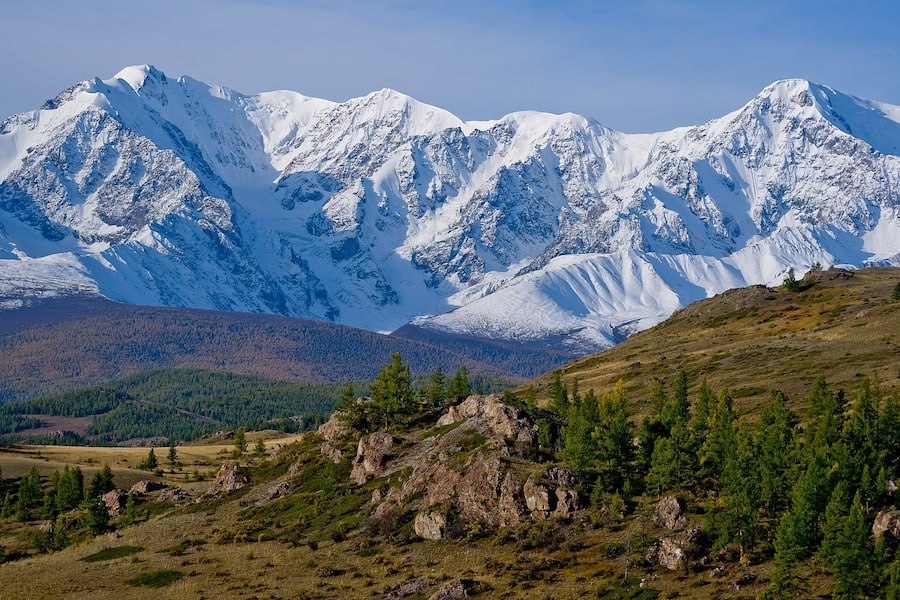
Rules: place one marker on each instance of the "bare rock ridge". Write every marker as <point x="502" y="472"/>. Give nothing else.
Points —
<point x="153" y="190"/>
<point x="466" y="472"/>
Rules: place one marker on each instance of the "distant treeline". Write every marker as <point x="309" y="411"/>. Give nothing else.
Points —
<point x="178" y="404"/>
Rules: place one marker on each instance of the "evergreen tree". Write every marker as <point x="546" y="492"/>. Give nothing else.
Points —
<point x="559" y="396"/>
<point x="702" y="414"/>
<point x="240" y="441"/>
<point x="663" y="467"/>
<point x="173" y="454"/>
<point x="790" y="281"/>
<point x="614" y="439"/>
<point x="459" y="386"/>
<point x="435" y="390"/>
<point x="895" y="295"/>
<point x="579" y="444"/>
<point x="347" y="397"/>
<point x="856" y="574"/>
<point x="775" y="452"/>
<point x="260" y="448"/>
<point x="130" y="516"/>
<point x="392" y="397"/>
<point x="833" y="524"/>
<point x="30" y="495"/>
<point x="96" y="517"/>
<point x="738" y="520"/>
<point x="102" y="482"/>
<point x="69" y="489"/>
<point x="721" y="437"/>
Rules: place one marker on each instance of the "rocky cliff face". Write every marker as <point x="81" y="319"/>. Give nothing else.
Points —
<point x="379" y="210"/>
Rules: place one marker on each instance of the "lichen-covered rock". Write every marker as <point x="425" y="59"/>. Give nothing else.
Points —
<point x="502" y="419"/>
<point x="430" y="525"/>
<point x="480" y="495"/>
<point x="115" y="501"/>
<point x="554" y="495"/>
<point x="175" y="494"/>
<point x="455" y="589"/>
<point x="887" y="523"/>
<point x="676" y="551"/>
<point x="229" y="478"/>
<point x="333" y="431"/>
<point x="372" y="452"/>
<point x="409" y="588"/>
<point x="669" y="513"/>
<point x="145" y="487"/>
<point x="279" y="490"/>
<point x="537" y="499"/>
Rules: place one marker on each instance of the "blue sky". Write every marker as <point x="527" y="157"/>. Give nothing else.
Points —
<point x="635" y="65"/>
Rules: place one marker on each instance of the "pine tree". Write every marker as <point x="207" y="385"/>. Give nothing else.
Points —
<point x="260" y="448"/>
<point x="739" y="519"/>
<point x="559" y="396"/>
<point x="579" y="445"/>
<point x="833" y="524"/>
<point x="614" y="439"/>
<point x="775" y="446"/>
<point x="459" y="386"/>
<point x="392" y="397"/>
<point x="96" y="517"/>
<point x="173" y="454"/>
<point x="790" y="281"/>
<point x="721" y="437"/>
<point x="69" y="489"/>
<point x="130" y="516"/>
<point x="435" y="391"/>
<point x="240" y="441"/>
<point x="854" y="556"/>
<point x="102" y="482"/>
<point x="30" y="495"/>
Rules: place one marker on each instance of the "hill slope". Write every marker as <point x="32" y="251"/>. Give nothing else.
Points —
<point x="66" y="344"/>
<point x="841" y="324"/>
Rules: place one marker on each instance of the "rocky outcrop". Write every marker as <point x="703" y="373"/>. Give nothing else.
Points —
<point x="146" y="486"/>
<point x="175" y="494"/>
<point x="279" y="490"/>
<point x="552" y="495"/>
<point x="675" y="552"/>
<point x="409" y="588"/>
<point x="372" y="453"/>
<point x="430" y="525"/>
<point x="669" y="513"/>
<point x="503" y="420"/>
<point x="229" y="478"/>
<point x="115" y="501"/>
<point x="333" y="432"/>
<point x="887" y="523"/>
<point x="455" y="589"/>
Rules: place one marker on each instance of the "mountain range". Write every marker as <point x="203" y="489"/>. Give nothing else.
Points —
<point x="382" y="212"/>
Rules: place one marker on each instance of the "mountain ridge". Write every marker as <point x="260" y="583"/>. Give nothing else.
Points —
<point x="381" y="210"/>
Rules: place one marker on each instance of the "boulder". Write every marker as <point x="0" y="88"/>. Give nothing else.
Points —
<point x="503" y="420"/>
<point x="279" y="490"/>
<point x="675" y="551"/>
<point x="455" y="589"/>
<point x="430" y="525"/>
<point x="480" y="495"/>
<point x="372" y="453"/>
<point x="115" y="501"/>
<point x="669" y="513"/>
<point x="175" y="494"/>
<point x="409" y="588"/>
<point x="228" y="479"/>
<point x="887" y="523"/>
<point x="145" y="487"/>
<point x="46" y="527"/>
<point x="537" y="499"/>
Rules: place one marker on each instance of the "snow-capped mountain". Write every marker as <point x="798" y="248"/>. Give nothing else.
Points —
<point x="382" y="210"/>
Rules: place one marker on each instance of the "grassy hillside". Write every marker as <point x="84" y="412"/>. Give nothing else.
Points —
<point x="68" y="344"/>
<point x="843" y="325"/>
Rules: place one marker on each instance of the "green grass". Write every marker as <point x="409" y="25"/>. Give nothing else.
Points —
<point x="112" y="553"/>
<point x="156" y="579"/>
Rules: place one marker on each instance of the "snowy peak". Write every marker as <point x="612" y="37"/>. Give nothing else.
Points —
<point x="381" y="209"/>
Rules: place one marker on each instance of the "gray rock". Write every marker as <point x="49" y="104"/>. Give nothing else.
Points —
<point x="669" y="513"/>
<point x="430" y="525"/>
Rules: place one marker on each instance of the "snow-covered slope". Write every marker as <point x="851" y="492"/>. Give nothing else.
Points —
<point x="381" y="210"/>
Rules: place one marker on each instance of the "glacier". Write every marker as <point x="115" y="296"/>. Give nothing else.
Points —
<point x="381" y="210"/>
